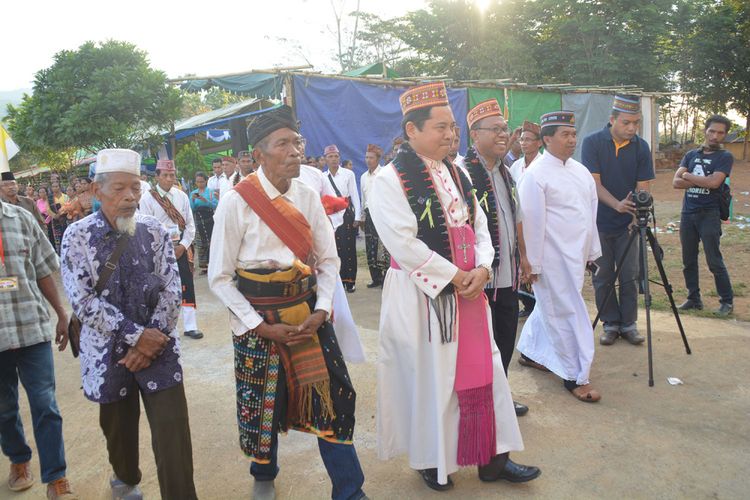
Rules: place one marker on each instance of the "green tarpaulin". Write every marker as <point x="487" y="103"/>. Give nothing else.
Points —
<point x="266" y="85"/>
<point x="528" y="105"/>
<point x="478" y="95"/>
<point x="372" y="70"/>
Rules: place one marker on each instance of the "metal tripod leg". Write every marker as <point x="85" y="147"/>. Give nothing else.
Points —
<point x="611" y="285"/>
<point x="656" y="250"/>
<point x="646" y="301"/>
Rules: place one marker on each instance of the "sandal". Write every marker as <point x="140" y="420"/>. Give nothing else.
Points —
<point x="532" y="364"/>
<point x="585" y="393"/>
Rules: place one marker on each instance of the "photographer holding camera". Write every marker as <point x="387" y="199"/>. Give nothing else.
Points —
<point x="620" y="162"/>
<point x="701" y="173"/>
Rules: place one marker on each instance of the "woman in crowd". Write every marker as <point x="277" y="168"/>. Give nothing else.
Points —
<point x="203" y="202"/>
<point x="57" y="200"/>
<point x="42" y="204"/>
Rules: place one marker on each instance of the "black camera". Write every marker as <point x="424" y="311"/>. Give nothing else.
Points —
<point x="643" y="200"/>
<point x="644" y="203"/>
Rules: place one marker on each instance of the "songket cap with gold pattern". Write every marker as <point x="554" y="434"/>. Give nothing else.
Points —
<point x="484" y="109"/>
<point x="423" y="96"/>
<point x="557" y="118"/>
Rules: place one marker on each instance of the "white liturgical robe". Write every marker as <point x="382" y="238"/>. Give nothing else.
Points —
<point x="417" y="409"/>
<point x="559" y="205"/>
<point x="343" y="323"/>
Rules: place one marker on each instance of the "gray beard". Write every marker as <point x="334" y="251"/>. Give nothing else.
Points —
<point x="125" y="225"/>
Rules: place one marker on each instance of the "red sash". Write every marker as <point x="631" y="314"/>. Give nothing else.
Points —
<point x="279" y="215"/>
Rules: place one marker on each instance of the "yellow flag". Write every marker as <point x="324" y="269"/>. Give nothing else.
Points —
<point x="8" y="149"/>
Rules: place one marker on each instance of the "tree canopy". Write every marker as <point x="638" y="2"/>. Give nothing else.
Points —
<point x="101" y="95"/>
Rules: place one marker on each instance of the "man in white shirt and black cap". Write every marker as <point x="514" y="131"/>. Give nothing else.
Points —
<point x="346" y="222"/>
<point x="172" y="207"/>
<point x="272" y="232"/>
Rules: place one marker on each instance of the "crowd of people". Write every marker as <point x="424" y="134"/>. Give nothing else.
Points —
<point x="453" y="240"/>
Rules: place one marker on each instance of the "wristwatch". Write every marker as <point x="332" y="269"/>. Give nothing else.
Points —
<point x="489" y="271"/>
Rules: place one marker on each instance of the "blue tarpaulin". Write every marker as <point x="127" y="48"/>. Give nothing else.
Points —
<point x="352" y="115"/>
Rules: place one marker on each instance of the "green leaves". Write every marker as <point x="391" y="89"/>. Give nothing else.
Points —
<point x="102" y="95"/>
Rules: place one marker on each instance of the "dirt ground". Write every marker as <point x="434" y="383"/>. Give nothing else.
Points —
<point x="683" y="441"/>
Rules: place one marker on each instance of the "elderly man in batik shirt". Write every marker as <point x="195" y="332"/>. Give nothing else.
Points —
<point x="129" y="339"/>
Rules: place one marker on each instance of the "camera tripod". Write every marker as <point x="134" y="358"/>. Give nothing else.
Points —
<point x="644" y="234"/>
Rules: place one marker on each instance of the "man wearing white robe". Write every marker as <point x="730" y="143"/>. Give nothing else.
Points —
<point x="418" y="407"/>
<point x="559" y="202"/>
<point x="183" y="240"/>
<point x="347" y="333"/>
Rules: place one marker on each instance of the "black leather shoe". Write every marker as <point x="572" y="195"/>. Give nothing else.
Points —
<point x="724" y="310"/>
<point x="194" y="334"/>
<point x="373" y="284"/>
<point x="429" y="476"/>
<point x="511" y="471"/>
<point x="521" y="410"/>
<point x="350" y="288"/>
<point x="690" y="304"/>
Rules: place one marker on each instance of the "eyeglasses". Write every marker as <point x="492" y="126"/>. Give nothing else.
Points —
<point x="494" y="130"/>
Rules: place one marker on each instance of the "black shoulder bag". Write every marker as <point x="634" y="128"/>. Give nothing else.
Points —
<point x="349" y="212"/>
<point x="724" y="192"/>
<point x="74" y="326"/>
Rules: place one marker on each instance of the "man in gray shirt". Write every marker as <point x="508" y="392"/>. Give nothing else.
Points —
<point x="495" y="192"/>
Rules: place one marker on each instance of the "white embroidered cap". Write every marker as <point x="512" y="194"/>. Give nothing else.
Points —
<point x="118" y="160"/>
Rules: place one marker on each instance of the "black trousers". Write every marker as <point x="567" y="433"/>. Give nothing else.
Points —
<point x="170" y="439"/>
<point x="378" y="259"/>
<point x="346" y="244"/>
<point x="504" y="308"/>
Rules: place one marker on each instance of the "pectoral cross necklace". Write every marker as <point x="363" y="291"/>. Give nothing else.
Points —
<point x="463" y="246"/>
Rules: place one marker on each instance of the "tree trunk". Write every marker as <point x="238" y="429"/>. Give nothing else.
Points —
<point x="747" y="138"/>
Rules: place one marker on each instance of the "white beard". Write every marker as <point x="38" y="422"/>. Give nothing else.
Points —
<point x="126" y="225"/>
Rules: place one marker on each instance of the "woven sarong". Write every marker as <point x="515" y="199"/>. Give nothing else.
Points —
<point x="305" y="387"/>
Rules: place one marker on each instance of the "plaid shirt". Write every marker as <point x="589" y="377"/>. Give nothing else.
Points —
<point x="29" y="256"/>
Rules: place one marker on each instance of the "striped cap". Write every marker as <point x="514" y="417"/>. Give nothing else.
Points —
<point x="555" y="118"/>
<point x="627" y="104"/>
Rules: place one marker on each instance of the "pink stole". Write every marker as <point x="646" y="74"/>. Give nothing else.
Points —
<point x="474" y="372"/>
<point x="473" y="384"/>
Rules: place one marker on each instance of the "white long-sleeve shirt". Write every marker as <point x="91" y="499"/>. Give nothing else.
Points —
<point x="241" y="240"/>
<point x="149" y="206"/>
<point x="315" y="179"/>
<point x="213" y="182"/>
<point x="365" y="183"/>
<point x="346" y="182"/>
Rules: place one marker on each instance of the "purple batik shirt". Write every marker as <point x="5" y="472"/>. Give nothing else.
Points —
<point x="144" y="291"/>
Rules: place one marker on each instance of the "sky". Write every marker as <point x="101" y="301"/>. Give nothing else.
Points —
<point x="186" y="37"/>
